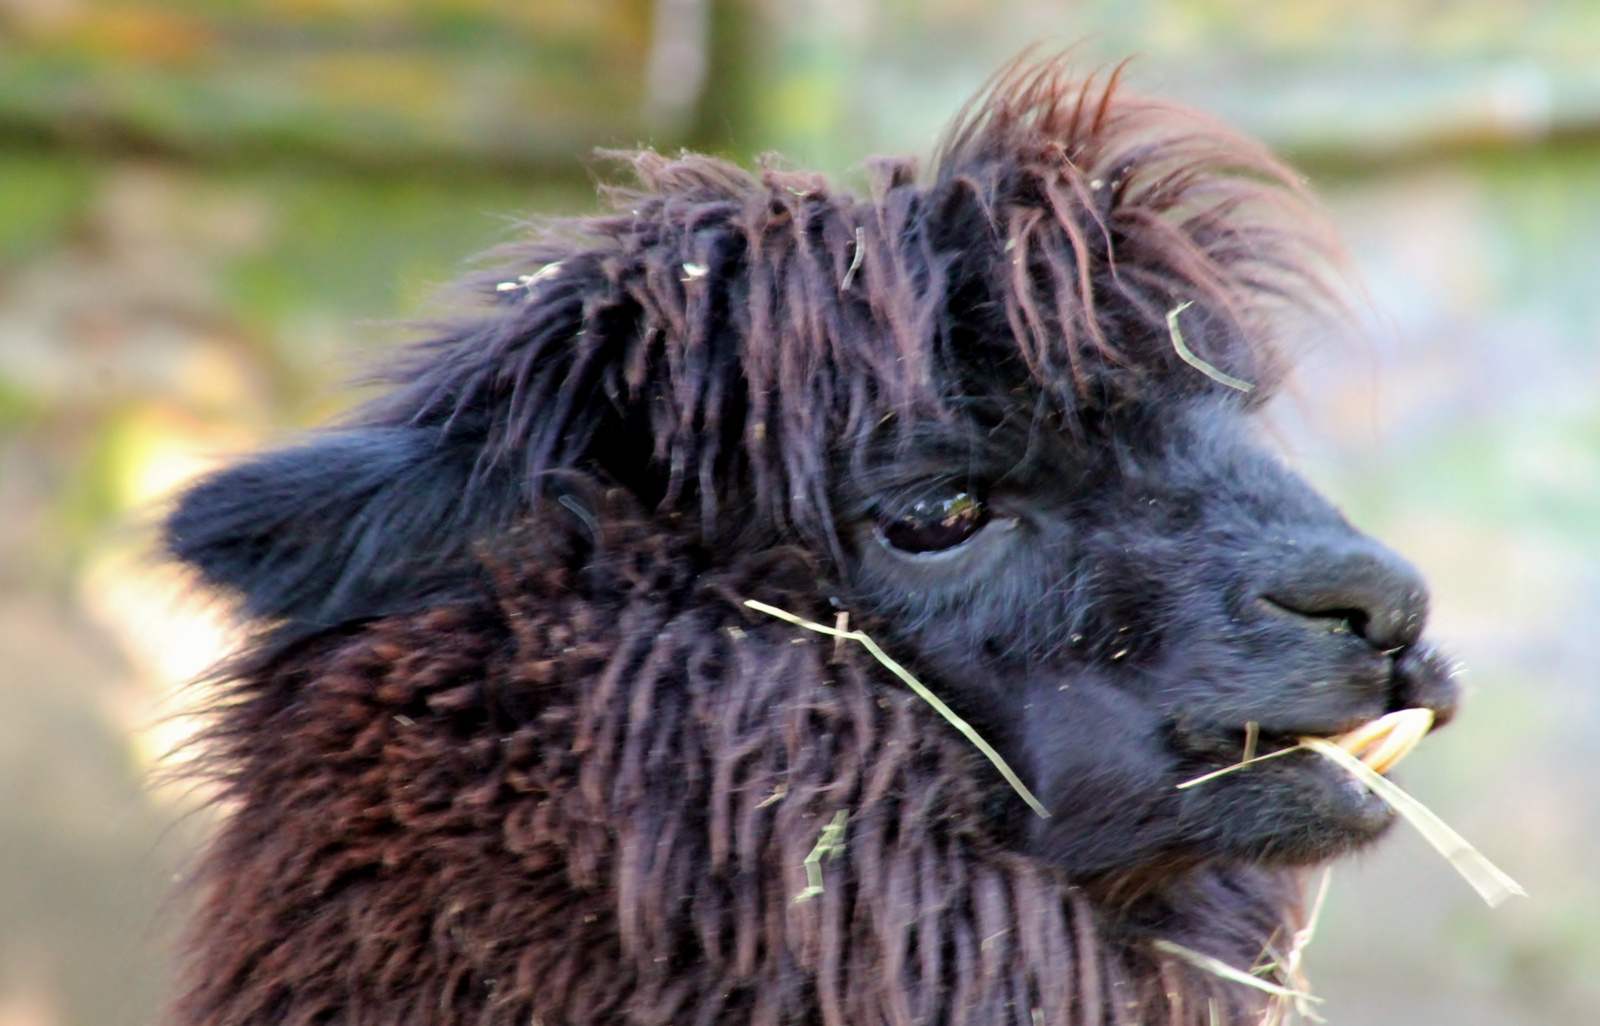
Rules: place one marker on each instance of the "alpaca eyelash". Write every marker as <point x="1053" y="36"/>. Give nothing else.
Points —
<point x="903" y="500"/>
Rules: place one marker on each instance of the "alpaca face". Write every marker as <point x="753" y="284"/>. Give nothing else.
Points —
<point x="1115" y="612"/>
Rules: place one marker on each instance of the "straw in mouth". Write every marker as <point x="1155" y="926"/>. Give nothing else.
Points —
<point x="1383" y="742"/>
<point x="1370" y="751"/>
<point x="1380" y="744"/>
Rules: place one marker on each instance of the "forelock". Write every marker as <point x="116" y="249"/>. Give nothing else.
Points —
<point x="759" y="330"/>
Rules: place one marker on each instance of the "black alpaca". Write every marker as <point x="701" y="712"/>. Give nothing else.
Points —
<point x="511" y="749"/>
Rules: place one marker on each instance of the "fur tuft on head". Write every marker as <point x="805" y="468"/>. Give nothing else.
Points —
<point x="723" y="339"/>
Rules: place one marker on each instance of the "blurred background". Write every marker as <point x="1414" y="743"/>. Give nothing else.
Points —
<point x="209" y="209"/>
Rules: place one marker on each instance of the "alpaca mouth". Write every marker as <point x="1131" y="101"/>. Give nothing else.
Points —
<point x="1322" y="809"/>
<point x="1380" y="744"/>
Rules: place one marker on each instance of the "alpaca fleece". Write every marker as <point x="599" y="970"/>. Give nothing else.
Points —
<point x="509" y="748"/>
<point x="588" y="797"/>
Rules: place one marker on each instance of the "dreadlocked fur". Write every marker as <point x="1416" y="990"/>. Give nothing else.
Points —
<point x="510" y="749"/>
<point x="589" y="798"/>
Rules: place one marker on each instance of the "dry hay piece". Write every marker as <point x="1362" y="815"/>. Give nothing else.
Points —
<point x="1370" y="751"/>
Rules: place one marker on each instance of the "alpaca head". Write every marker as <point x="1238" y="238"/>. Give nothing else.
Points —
<point x="1007" y="412"/>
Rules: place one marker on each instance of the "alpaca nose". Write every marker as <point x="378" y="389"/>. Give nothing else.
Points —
<point x="1380" y="595"/>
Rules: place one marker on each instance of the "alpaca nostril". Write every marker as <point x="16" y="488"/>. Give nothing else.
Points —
<point x="1378" y="594"/>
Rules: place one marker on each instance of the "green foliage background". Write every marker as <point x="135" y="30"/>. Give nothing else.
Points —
<point x="211" y="209"/>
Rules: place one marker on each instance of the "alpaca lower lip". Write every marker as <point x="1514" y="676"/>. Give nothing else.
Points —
<point x="1347" y="813"/>
<point x="1306" y="808"/>
<point x="1364" y="810"/>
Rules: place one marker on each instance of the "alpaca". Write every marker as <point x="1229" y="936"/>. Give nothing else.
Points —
<point x="510" y="747"/>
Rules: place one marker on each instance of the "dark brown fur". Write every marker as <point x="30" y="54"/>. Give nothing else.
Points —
<point x="589" y="799"/>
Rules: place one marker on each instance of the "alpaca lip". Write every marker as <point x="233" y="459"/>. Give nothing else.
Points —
<point x="1379" y="743"/>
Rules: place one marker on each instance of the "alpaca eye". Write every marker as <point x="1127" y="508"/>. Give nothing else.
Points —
<point x="933" y="525"/>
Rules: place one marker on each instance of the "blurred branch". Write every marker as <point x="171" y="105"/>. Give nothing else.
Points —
<point x="680" y="43"/>
<point x="1369" y="113"/>
<point x="514" y="87"/>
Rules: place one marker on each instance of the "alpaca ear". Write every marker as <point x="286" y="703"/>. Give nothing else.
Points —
<point x="389" y="515"/>
<point x="349" y="525"/>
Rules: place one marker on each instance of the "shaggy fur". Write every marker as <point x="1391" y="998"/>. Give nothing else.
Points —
<point x="510" y="748"/>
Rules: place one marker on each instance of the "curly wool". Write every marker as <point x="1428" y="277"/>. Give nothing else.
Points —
<point x="588" y="795"/>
